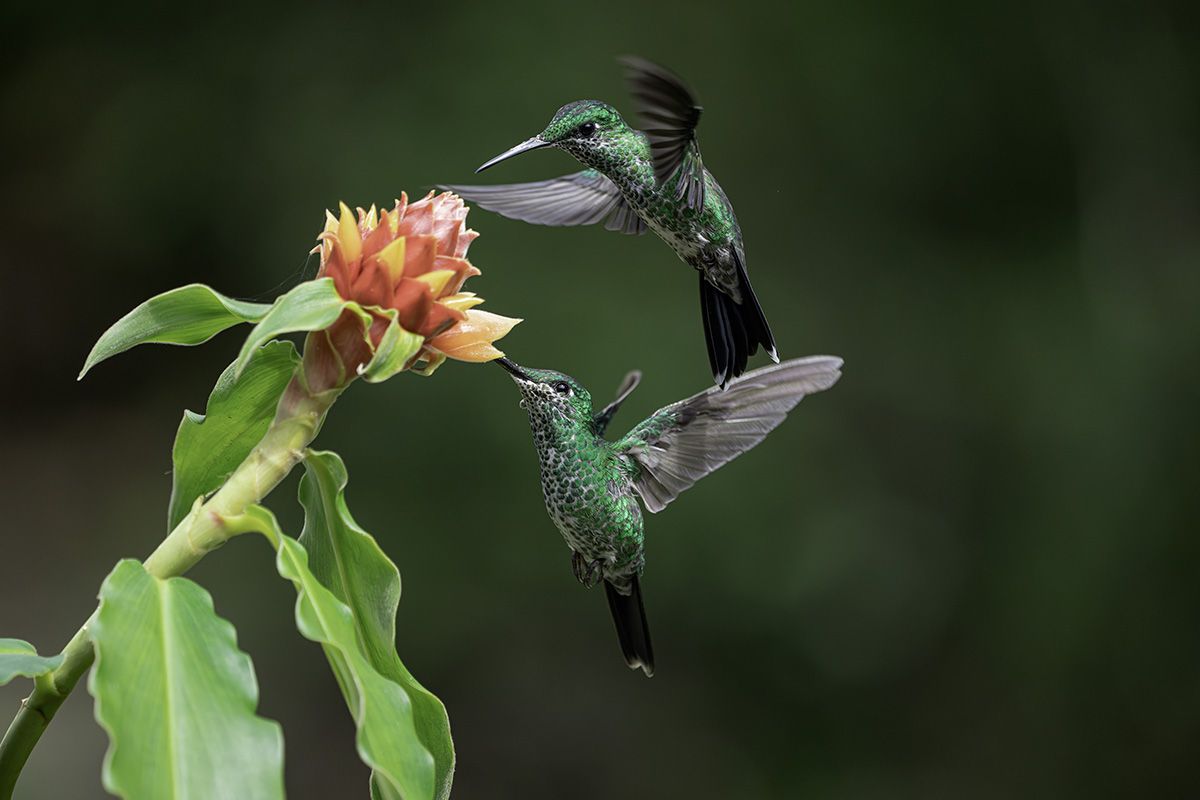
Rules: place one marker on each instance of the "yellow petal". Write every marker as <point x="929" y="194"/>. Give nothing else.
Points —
<point x="348" y="236"/>
<point x="393" y="258"/>
<point x="471" y="339"/>
<point x="437" y="279"/>
<point x="331" y="222"/>
<point x="476" y="353"/>
<point x="372" y="218"/>
<point x="461" y="301"/>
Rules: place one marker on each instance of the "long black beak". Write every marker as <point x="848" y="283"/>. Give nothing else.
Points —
<point x="512" y="368"/>
<point x="524" y="147"/>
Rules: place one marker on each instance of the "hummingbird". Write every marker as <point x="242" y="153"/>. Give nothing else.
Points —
<point x="639" y="179"/>
<point x="591" y="485"/>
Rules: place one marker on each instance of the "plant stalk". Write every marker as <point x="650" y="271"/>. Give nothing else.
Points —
<point x="297" y="420"/>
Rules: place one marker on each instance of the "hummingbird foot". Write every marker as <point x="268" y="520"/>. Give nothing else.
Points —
<point x="587" y="572"/>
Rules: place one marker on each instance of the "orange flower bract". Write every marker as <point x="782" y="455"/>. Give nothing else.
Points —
<point x="411" y="258"/>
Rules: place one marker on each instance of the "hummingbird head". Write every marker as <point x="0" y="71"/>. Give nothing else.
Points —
<point x="585" y="129"/>
<point x="550" y="397"/>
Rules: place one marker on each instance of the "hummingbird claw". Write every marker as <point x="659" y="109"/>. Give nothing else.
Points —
<point x="577" y="566"/>
<point x="587" y="572"/>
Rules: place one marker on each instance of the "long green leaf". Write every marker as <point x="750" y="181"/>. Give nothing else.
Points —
<point x="188" y="315"/>
<point x="209" y="446"/>
<point x="349" y="562"/>
<point x="310" y="306"/>
<point x="383" y="711"/>
<point x="20" y="659"/>
<point x="176" y="696"/>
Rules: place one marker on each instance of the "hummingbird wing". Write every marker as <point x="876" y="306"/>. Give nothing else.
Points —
<point x="601" y="420"/>
<point x="683" y="442"/>
<point x="581" y="198"/>
<point x="669" y="116"/>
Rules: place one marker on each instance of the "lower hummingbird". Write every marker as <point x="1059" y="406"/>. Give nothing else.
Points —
<point x="591" y="486"/>
<point x="639" y="179"/>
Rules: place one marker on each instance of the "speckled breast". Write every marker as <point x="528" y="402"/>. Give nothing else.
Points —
<point x="571" y="486"/>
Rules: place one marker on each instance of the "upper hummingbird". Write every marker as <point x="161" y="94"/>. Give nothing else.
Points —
<point x="647" y="178"/>
<point x="591" y="485"/>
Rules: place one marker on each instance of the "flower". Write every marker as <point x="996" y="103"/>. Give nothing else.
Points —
<point x="410" y="259"/>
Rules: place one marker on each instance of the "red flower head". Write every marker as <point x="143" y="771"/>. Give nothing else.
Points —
<point x="411" y="259"/>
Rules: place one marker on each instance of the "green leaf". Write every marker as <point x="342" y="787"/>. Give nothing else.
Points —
<point x="19" y="659"/>
<point x="310" y="306"/>
<point x="349" y="562"/>
<point x="394" y="351"/>
<point x="188" y="315"/>
<point x="176" y="696"/>
<point x="383" y="711"/>
<point x="209" y="446"/>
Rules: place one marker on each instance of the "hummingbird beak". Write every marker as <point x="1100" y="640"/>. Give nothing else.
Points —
<point x="512" y="368"/>
<point x="524" y="147"/>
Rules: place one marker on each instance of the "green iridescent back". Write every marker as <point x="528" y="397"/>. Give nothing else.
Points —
<point x="622" y="154"/>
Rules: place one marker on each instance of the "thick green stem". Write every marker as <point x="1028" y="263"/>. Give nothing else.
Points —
<point x="39" y="708"/>
<point x="296" y="423"/>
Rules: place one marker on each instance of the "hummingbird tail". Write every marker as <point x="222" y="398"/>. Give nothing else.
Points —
<point x="629" y="615"/>
<point x="733" y="330"/>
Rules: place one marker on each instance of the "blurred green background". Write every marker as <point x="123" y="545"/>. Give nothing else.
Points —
<point x="967" y="571"/>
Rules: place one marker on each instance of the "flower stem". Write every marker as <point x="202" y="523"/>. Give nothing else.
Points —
<point x="297" y="420"/>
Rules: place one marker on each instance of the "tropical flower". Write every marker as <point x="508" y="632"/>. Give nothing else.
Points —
<point x="410" y="260"/>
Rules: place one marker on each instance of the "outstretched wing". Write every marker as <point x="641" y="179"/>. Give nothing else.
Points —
<point x="669" y="117"/>
<point x="682" y="443"/>
<point x="582" y="198"/>
<point x="601" y="420"/>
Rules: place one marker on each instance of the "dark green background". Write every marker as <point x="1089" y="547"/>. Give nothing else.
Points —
<point x="968" y="571"/>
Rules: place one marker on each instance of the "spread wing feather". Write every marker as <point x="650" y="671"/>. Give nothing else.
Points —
<point x="680" y="444"/>
<point x="581" y="198"/>
<point x="669" y="114"/>
<point x="628" y="384"/>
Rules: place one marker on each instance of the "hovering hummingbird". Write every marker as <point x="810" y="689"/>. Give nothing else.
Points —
<point x="653" y="178"/>
<point x="590" y="485"/>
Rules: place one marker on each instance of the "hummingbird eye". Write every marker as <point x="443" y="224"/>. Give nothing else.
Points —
<point x="587" y="129"/>
<point x="562" y="387"/>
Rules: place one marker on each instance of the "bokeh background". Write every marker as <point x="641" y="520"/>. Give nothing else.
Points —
<point x="967" y="571"/>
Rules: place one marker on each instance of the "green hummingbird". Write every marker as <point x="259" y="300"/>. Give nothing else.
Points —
<point x="647" y="179"/>
<point x="591" y="485"/>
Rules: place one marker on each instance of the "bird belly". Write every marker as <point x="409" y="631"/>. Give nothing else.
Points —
<point x="681" y="236"/>
<point x="705" y="238"/>
<point x="597" y="525"/>
<point x="582" y="528"/>
<point x="689" y="241"/>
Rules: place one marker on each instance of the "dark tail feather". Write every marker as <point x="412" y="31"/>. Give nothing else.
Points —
<point x="630" y="618"/>
<point x="733" y="331"/>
